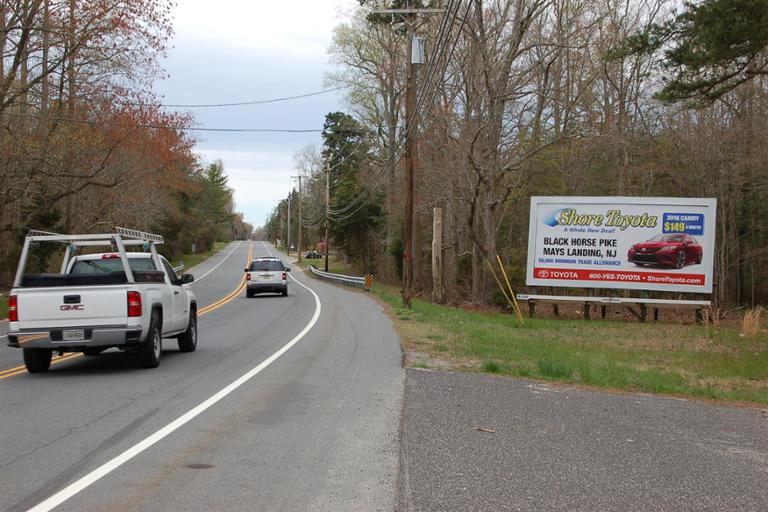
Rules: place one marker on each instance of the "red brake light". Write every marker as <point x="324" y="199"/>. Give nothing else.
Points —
<point x="134" y="304"/>
<point x="13" y="309"/>
<point x="112" y="256"/>
<point x="285" y="276"/>
<point x="248" y="276"/>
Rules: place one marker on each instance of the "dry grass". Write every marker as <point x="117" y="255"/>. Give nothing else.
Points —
<point x="751" y="323"/>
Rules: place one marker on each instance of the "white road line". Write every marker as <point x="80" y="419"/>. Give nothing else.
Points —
<point x="103" y="470"/>
<point x="198" y="279"/>
<point x="3" y="336"/>
<point x="267" y="248"/>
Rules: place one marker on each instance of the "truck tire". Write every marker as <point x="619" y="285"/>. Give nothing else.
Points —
<point x="188" y="339"/>
<point x="285" y="292"/>
<point x="151" y="347"/>
<point x="37" y="360"/>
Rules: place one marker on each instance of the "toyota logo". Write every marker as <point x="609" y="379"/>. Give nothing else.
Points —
<point x="544" y="273"/>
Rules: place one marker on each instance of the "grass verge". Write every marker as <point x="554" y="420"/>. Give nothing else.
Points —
<point x="696" y="361"/>
<point x="190" y="260"/>
<point x="3" y="306"/>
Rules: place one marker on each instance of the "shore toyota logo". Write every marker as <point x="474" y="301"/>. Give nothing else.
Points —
<point x="72" y="307"/>
<point x="544" y="273"/>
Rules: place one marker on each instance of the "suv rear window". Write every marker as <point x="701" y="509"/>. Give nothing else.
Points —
<point x="99" y="266"/>
<point x="267" y="266"/>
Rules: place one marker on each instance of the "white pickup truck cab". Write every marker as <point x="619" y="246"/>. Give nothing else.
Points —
<point x="128" y="300"/>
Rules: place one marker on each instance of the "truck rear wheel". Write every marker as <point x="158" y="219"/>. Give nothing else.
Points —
<point x="151" y="347"/>
<point x="188" y="339"/>
<point x="37" y="360"/>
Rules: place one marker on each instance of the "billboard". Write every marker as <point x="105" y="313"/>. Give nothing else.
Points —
<point x="642" y="243"/>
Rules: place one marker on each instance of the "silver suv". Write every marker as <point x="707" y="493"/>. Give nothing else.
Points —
<point x="266" y="275"/>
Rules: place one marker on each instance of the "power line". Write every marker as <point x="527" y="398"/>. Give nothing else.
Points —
<point x="166" y="127"/>
<point x="441" y="44"/>
<point x="234" y="104"/>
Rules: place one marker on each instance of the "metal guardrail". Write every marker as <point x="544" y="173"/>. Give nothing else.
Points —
<point x="355" y="282"/>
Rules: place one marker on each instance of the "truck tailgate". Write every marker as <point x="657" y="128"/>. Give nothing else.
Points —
<point x="41" y="308"/>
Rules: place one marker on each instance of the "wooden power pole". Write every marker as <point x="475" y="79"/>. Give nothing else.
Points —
<point x="410" y="146"/>
<point x="327" y="210"/>
<point x="299" y="246"/>
<point x="288" y="245"/>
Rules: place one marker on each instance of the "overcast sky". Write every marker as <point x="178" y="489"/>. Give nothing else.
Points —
<point x="243" y="50"/>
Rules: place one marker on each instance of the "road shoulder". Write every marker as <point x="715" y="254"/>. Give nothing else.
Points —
<point x="479" y="442"/>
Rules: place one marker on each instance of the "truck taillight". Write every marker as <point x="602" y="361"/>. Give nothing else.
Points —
<point x="248" y="276"/>
<point x="285" y="276"/>
<point x="134" y="304"/>
<point x="13" y="309"/>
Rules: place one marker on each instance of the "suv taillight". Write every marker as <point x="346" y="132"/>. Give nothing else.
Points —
<point x="248" y="276"/>
<point x="285" y="276"/>
<point x="13" y="309"/>
<point x="134" y="304"/>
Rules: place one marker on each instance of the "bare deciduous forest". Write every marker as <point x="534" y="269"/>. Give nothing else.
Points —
<point x="537" y="97"/>
<point x="84" y="146"/>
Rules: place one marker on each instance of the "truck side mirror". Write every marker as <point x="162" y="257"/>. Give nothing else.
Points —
<point x="247" y="270"/>
<point x="187" y="278"/>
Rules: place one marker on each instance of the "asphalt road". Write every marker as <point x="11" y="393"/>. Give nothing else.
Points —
<point x="289" y="403"/>
<point x="300" y="403"/>
<point x="477" y="442"/>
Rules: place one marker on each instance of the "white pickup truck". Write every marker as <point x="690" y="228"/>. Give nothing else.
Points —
<point x="128" y="300"/>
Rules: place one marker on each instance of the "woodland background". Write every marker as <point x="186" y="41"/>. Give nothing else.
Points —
<point x="84" y="144"/>
<point x="541" y="97"/>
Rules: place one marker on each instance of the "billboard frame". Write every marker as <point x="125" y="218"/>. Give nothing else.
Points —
<point x="709" y="225"/>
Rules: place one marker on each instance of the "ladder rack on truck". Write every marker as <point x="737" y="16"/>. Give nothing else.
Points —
<point x="122" y="238"/>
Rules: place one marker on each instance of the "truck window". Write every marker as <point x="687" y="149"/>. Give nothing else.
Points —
<point x="106" y="266"/>
<point x="171" y="274"/>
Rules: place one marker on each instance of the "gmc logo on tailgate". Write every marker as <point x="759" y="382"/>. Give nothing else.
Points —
<point x="72" y="307"/>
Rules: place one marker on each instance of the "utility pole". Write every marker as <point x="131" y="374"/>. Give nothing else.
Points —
<point x="288" y="245"/>
<point x="327" y="210"/>
<point x="410" y="144"/>
<point x="299" y="178"/>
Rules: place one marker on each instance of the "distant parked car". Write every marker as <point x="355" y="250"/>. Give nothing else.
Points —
<point x="672" y="250"/>
<point x="265" y="275"/>
<point x="313" y="255"/>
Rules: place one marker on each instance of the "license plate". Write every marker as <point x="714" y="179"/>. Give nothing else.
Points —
<point x="266" y="277"/>
<point x="73" y="335"/>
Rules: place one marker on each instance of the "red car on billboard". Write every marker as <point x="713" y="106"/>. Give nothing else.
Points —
<point x="671" y="250"/>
